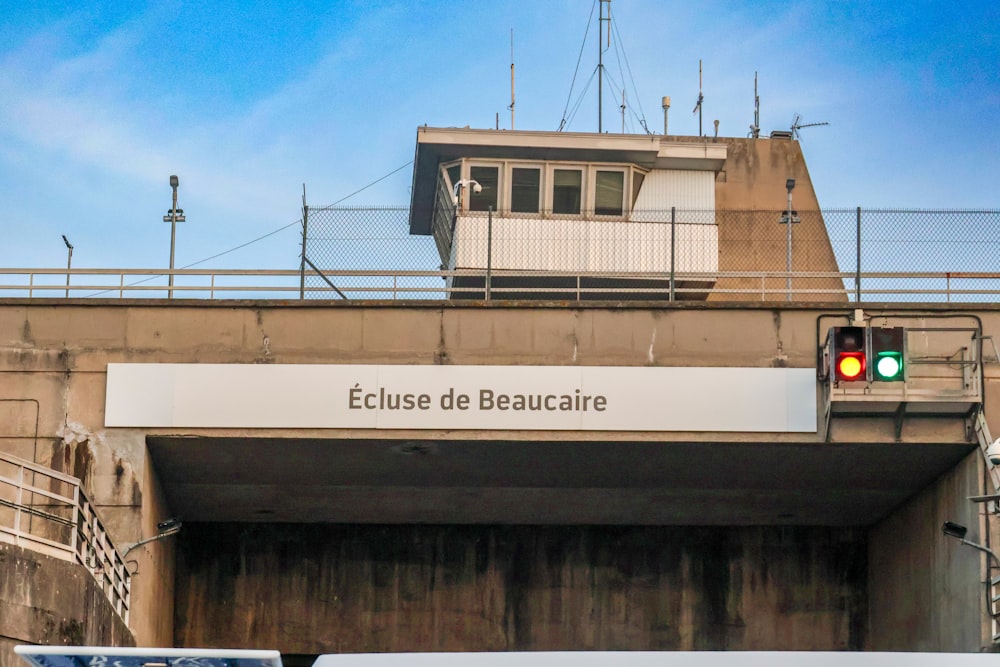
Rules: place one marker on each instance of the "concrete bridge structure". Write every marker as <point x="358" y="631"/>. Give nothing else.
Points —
<point x="698" y="518"/>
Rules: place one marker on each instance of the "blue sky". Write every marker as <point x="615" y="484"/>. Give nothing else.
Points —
<point x="247" y="101"/>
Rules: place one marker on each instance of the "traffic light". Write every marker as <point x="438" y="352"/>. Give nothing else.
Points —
<point x="847" y="354"/>
<point x="887" y="353"/>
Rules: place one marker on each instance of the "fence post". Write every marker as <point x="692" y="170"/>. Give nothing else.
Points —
<point x="673" y="247"/>
<point x="489" y="250"/>
<point x="857" y="274"/>
<point x="305" y="236"/>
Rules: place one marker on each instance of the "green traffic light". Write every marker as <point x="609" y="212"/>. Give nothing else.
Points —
<point x="889" y="366"/>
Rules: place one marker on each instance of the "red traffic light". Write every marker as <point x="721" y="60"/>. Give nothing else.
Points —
<point x="848" y="354"/>
<point x="851" y="366"/>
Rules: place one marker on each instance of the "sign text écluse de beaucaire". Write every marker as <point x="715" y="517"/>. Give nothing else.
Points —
<point x="360" y="399"/>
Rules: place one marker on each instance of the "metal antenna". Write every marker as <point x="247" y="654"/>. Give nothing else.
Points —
<point x="511" y="107"/>
<point x="755" y="128"/>
<point x="623" y="110"/>
<point x="798" y="125"/>
<point x="600" y="63"/>
<point x="701" y="98"/>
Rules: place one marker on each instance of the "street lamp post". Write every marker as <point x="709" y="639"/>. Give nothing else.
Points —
<point x="173" y="216"/>
<point x="69" y="261"/>
<point x="789" y="185"/>
<point x="958" y="531"/>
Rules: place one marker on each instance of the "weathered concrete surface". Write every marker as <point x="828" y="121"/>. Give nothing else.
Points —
<point x="919" y="580"/>
<point x="53" y="357"/>
<point x="328" y="589"/>
<point x="750" y="198"/>
<point x="45" y="600"/>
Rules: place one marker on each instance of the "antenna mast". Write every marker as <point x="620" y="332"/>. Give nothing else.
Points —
<point x="600" y="61"/>
<point x="701" y="98"/>
<point x="797" y="125"/>
<point x="623" y="111"/>
<point x="511" y="79"/>
<point x="755" y="128"/>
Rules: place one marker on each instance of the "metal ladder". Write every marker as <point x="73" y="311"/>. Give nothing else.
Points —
<point x="982" y="430"/>
<point x="985" y="440"/>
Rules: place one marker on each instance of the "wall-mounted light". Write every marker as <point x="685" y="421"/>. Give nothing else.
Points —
<point x="958" y="531"/>
<point x="164" y="529"/>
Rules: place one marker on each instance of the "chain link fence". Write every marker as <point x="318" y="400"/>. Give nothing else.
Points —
<point x="356" y="249"/>
<point x="960" y="246"/>
<point x="821" y="255"/>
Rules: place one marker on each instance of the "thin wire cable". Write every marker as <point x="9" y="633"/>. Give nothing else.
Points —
<point x="569" y="95"/>
<point x="579" y="100"/>
<point x="628" y="67"/>
<point x="244" y="245"/>
<point x="372" y="183"/>
<point x="299" y="221"/>
<point x="202" y="261"/>
<point x="259" y="238"/>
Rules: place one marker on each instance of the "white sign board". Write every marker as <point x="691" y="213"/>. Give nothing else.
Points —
<point x="584" y="398"/>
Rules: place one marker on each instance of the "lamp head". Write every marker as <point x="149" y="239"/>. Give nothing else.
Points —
<point x="955" y="530"/>
<point x="790" y="185"/>
<point x="171" y="524"/>
<point x="174" y="182"/>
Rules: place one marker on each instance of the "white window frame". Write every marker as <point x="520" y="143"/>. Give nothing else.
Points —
<point x="626" y="172"/>
<point x="588" y="185"/>
<point x="508" y="192"/>
<point x="467" y="166"/>
<point x="443" y="176"/>
<point x="549" y="192"/>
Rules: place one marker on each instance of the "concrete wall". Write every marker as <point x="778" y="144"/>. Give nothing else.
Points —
<point x="921" y="592"/>
<point x="333" y="588"/>
<point x="53" y="357"/>
<point x="750" y="196"/>
<point x="53" y="365"/>
<point x="919" y="581"/>
<point x="45" y="600"/>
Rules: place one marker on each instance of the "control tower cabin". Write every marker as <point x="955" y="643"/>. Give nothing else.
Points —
<point x="615" y="215"/>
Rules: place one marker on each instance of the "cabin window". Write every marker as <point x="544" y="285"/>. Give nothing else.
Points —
<point x="567" y="191"/>
<point x="535" y="187"/>
<point x="637" y="178"/>
<point x="454" y="176"/>
<point x="489" y="180"/>
<point x="525" y="188"/>
<point x="609" y="191"/>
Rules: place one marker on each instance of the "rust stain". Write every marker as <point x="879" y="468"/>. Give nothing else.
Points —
<point x="328" y="588"/>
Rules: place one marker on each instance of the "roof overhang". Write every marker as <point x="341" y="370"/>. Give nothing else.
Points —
<point x="438" y="145"/>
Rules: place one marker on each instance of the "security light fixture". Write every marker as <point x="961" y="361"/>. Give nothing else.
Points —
<point x="958" y="531"/>
<point x="170" y="524"/>
<point x="164" y="529"/>
<point x="464" y="183"/>
<point x="173" y="216"/>
<point x="955" y="530"/>
<point x="69" y="261"/>
<point x="788" y="219"/>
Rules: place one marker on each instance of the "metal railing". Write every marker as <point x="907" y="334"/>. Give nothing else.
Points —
<point x="47" y="512"/>
<point x="843" y="255"/>
<point x="337" y="284"/>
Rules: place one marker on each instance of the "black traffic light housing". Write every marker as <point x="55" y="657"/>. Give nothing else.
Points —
<point x="888" y="354"/>
<point x="848" y="356"/>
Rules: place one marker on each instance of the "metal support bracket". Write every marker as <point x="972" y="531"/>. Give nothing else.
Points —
<point x="897" y="420"/>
